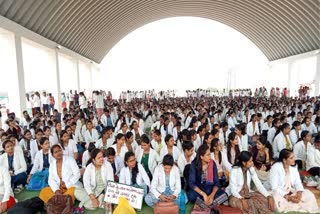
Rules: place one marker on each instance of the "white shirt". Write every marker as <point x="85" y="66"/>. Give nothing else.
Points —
<point x="142" y="177"/>
<point x="19" y="163"/>
<point x="251" y="131"/>
<point x="85" y="158"/>
<point x="152" y="161"/>
<point x="70" y="174"/>
<point x="277" y="179"/>
<point x="232" y="122"/>
<point x="175" y="153"/>
<point x="99" y="101"/>
<point x="82" y="102"/>
<point x="33" y="149"/>
<point x="294" y="137"/>
<point x="271" y="134"/>
<point x="243" y="143"/>
<point x="237" y="181"/>
<point x="5" y="184"/>
<point x="300" y="151"/>
<point x="313" y="157"/>
<point x="89" y="177"/>
<point x="155" y="145"/>
<point x="123" y="150"/>
<point x="182" y="162"/>
<point x="158" y="184"/>
<point x="99" y="143"/>
<point x="311" y="128"/>
<point x="38" y="162"/>
<point x="90" y="137"/>
<point x="279" y="143"/>
<point x="70" y="149"/>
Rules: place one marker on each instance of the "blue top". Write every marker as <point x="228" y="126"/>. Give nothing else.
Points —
<point x="46" y="163"/>
<point x="196" y="179"/>
<point x="10" y="162"/>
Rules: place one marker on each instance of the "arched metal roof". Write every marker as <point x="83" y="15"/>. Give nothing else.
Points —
<point x="280" y="28"/>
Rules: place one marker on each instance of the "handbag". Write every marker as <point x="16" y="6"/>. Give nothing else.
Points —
<point x="199" y="210"/>
<point x="60" y="204"/>
<point x="166" y="207"/>
<point x="39" y="180"/>
<point x="228" y="210"/>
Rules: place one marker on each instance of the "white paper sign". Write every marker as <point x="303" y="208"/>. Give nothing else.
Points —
<point x="133" y="194"/>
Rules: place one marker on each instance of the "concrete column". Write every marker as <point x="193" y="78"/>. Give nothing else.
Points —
<point x="317" y="79"/>
<point x="21" y="101"/>
<point x="78" y="75"/>
<point x="58" y="99"/>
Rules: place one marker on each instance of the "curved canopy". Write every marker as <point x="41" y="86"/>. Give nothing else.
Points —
<point x="280" y="28"/>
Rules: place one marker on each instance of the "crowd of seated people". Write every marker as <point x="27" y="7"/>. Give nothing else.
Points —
<point x="211" y="147"/>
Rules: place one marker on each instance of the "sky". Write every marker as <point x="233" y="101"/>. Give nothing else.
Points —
<point x="183" y="53"/>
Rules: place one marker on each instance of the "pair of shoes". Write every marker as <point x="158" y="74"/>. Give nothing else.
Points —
<point x="18" y="189"/>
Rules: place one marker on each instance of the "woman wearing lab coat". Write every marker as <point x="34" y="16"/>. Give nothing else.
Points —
<point x="95" y="178"/>
<point x="166" y="183"/>
<point x="170" y="148"/>
<point x="241" y="195"/>
<point x="43" y="158"/>
<point x="286" y="186"/>
<point x="64" y="175"/>
<point x="119" y="146"/>
<point x="133" y="174"/>
<point x="281" y="140"/>
<point x="147" y="156"/>
<point x="91" y="135"/>
<point x="7" y="200"/>
<point x="14" y="162"/>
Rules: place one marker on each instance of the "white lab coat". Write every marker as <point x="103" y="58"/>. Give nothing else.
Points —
<point x="70" y="174"/>
<point x="294" y="137"/>
<point x="299" y="150"/>
<point x="89" y="177"/>
<point x="142" y="177"/>
<point x="5" y="184"/>
<point x="38" y="162"/>
<point x="152" y="161"/>
<point x="175" y="153"/>
<point x="158" y="184"/>
<point x="272" y="131"/>
<point x="123" y="150"/>
<point x="237" y="181"/>
<point x="311" y="128"/>
<point x="33" y="149"/>
<point x="224" y="161"/>
<point x="182" y="162"/>
<point x="118" y="164"/>
<point x="70" y="149"/>
<point x="250" y="131"/>
<point x="90" y="137"/>
<point x="19" y="163"/>
<point x="313" y="157"/>
<point x="243" y="143"/>
<point x="99" y="143"/>
<point x="279" y="143"/>
<point x="155" y="145"/>
<point x="277" y="179"/>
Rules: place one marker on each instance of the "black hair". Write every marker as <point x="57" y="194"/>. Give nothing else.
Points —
<point x="63" y="132"/>
<point x="284" y="154"/>
<point x="304" y="134"/>
<point x="201" y="152"/>
<point x="110" y="152"/>
<point x="53" y="147"/>
<point x="281" y="128"/>
<point x="93" y="154"/>
<point x="232" y="136"/>
<point x="244" y="156"/>
<point x="145" y="139"/>
<point x="128" y="135"/>
<point x="187" y="145"/>
<point x="167" y="138"/>
<point x="42" y="140"/>
<point x="118" y="137"/>
<point x="242" y="128"/>
<point x="157" y="132"/>
<point x="5" y="143"/>
<point x="214" y="144"/>
<point x="295" y="124"/>
<point x="263" y="140"/>
<point x="168" y="160"/>
<point x="45" y="128"/>
<point x="135" y="169"/>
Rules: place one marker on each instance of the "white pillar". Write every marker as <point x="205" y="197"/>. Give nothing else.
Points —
<point x="289" y="88"/>
<point x="21" y="101"/>
<point x="317" y="79"/>
<point x="58" y="99"/>
<point x="78" y="76"/>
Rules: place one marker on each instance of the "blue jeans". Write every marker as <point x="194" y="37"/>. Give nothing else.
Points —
<point x="19" y="179"/>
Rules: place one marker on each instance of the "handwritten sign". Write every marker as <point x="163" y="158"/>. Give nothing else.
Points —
<point x="133" y="194"/>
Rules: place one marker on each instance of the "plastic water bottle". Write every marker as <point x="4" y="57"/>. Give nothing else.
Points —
<point x="182" y="203"/>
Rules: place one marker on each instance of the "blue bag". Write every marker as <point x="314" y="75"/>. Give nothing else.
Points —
<point x="39" y="180"/>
